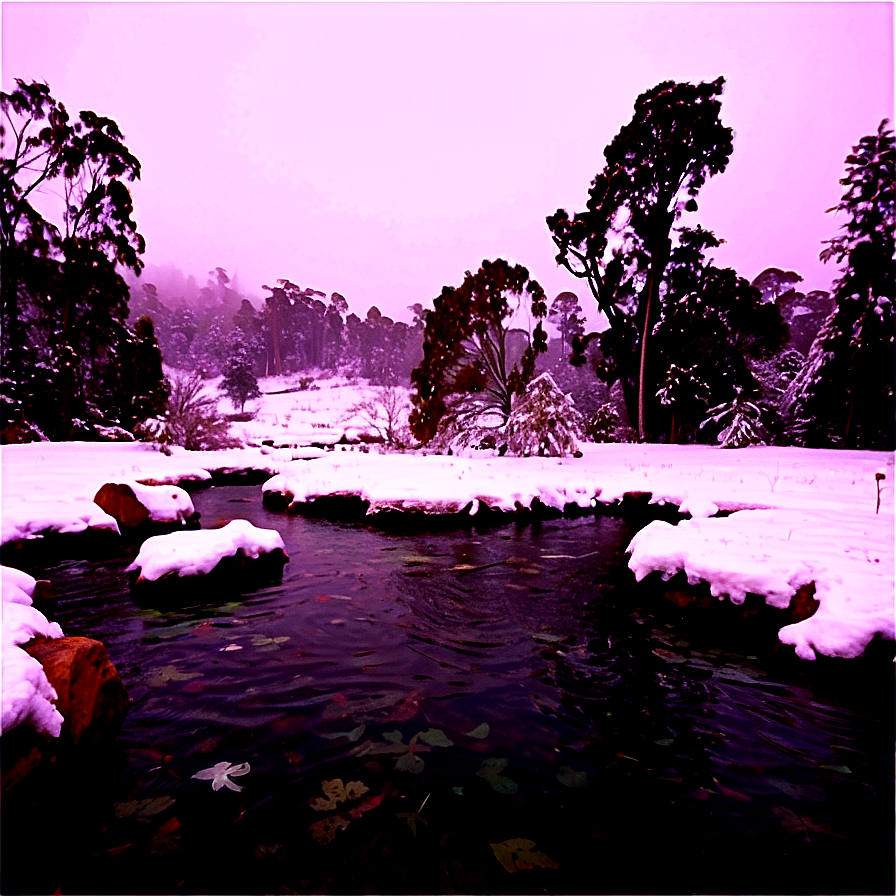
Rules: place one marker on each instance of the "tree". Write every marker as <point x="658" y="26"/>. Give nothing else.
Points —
<point x="64" y="301"/>
<point x="711" y="325"/>
<point x="147" y="386"/>
<point x="544" y="421"/>
<point x="739" y="422"/>
<point x="844" y="396"/>
<point x="655" y="167"/>
<point x="566" y="315"/>
<point x="239" y="383"/>
<point x="467" y="346"/>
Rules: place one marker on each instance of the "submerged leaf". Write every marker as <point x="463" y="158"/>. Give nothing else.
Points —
<point x="326" y="829"/>
<point x="569" y="777"/>
<point x="166" y="674"/>
<point x="480" y="732"/>
<point x="336" y="792"/>
<point x="491" y="771"/>
<point x="409" y="763"/>
<point x="435" y="738"/>
<point x="143" y="809"/>
<point x="521" y="855"/>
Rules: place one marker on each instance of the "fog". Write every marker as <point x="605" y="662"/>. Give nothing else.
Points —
<point x="381" y="150"/>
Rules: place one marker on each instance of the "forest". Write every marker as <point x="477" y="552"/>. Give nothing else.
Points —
<point x="690" y="353"/>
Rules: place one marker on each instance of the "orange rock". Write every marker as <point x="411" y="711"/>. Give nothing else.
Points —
<point x="90" y="694"/>
<point x="119" y="501"/>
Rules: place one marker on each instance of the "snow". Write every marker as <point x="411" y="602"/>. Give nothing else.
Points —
<point x="165" y="503"/>
<point x="198" y="552"/>
<point x="802" y="516"/>
<point x="27" y="695"/>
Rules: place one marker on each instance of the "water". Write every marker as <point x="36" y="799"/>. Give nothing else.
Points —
<point x="424" y="713"/>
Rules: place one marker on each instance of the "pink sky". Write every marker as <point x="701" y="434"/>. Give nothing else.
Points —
<point x="381" y="150"/>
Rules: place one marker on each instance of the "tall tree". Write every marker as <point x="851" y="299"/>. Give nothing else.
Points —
<point x="655" y="167"/>
<point x="63" y="276"/>
<point x="467" y="345"/>
<point x="844" y="396"/>
<point x="566" y="315"/>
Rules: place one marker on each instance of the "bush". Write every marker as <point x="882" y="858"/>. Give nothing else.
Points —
<point x="192" y="419"/>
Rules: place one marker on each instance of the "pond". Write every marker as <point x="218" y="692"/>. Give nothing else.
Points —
<point x="460" y="712"/>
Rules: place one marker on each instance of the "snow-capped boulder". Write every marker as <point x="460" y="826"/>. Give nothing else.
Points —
<point x="27" y="695"/>
<point x="133" y="504"/>
<point x="237" y="546"/>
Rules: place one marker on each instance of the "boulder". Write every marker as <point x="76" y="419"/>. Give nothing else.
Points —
<point x="90" y="696"/>
<point x="135" y="504"/>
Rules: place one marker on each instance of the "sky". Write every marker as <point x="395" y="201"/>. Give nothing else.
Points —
<point x="383" y="149"/>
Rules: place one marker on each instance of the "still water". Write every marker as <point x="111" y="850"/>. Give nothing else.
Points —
<point x="460" y="712"/>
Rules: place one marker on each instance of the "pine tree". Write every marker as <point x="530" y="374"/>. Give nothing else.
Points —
<point x="739" y="422"/>
<point x="544" y="421"/>
<point x="239" y="383"/>
<point x="845" y="396"/>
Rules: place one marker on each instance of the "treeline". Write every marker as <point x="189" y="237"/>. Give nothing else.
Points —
<point x="295" y="330"/>
<point x="693" y="352"/>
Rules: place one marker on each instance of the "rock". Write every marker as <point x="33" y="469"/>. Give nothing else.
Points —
<point x="135" y="504"/>
<point x="89" y="691"/>
<point x="90" y="697"/>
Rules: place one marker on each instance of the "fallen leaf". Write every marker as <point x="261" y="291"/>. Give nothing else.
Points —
<point x="143" y="809"/>
<point x="166" y="838"/>
<point x="166" y="674"/>
<point x="336" y="792"/>
<point x="219" y="774"/>
<point x="491" y="771"/>
<point x="569" y="777"/>
<point x="521" y="855"/>
<point x="435" y="738"/>
<point x="480" y="732"/>
<point x="326" y="829"/>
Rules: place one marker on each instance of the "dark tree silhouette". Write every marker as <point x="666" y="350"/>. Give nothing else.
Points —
<point x="64" y="301"/>
<point x="844" y="396"/>
<point x="467" y="345"/>
<point x="655" y="167"/>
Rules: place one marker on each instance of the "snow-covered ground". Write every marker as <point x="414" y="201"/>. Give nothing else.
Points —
<point x="801" y="515"/>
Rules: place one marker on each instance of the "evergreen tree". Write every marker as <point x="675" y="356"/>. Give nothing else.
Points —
<point x="844" y="396"/>
<point x="544" y="421"/>
<point x="739" y="422"/>
<point x="239" y="383"/>
<point x="147" y="386"/>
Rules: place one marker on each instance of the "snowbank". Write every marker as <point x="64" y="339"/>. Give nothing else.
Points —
<point x="27" y="696"/>
<point x="803" y="516"/>
<point x="50" y="486"/>
<point x="198" y="552"/>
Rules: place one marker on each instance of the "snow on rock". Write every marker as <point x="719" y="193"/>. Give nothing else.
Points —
<point x="27" y="695"/>
<point x="51" y="486"/>
<point x="848" y="555"/>
<point x="198" y="552"/>
<point x="132" y="503"/>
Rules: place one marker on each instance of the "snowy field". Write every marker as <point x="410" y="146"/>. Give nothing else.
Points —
<point x="800" y="515"/>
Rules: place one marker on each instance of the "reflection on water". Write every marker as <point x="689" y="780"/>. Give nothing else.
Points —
<point x="460" y="712"/>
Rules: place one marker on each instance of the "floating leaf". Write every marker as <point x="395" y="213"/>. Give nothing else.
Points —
<point x="412" y="819"/>
<point x="409" y="763"/>
<point x="842" y="769"/>
<point x="326" y="829"/>
<point x="665" y="741"/>
<point x="802" y="824"/>
<point x="352" y="736"/>
<point x="480" y="732"/>
<point x="336" y="792"/>
<point x="143" y="809"/>
<point x="521" y="855"/>
<point x="569" y="777"/>
<point x="435" y="738"/>
<point x="491" y="771"/>
<point x="166" y="674"/>
<point x="219" y="774"/>
<point x="458" y="790"/>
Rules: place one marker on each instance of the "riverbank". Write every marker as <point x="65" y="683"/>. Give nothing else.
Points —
<point x="792" y="517"/>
